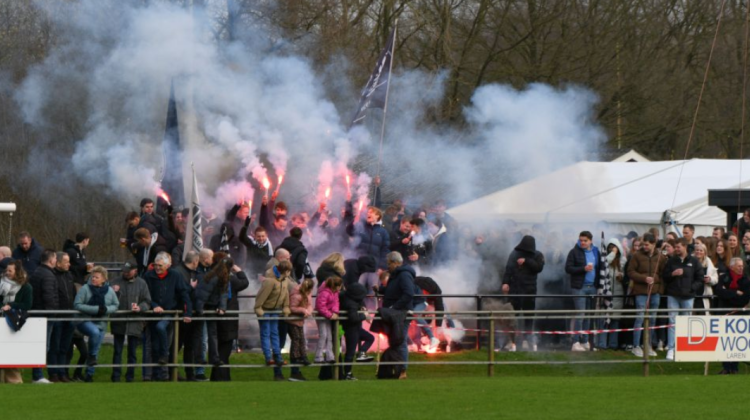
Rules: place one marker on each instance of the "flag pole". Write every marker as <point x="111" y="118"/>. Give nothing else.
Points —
<point x="385" y="106"/>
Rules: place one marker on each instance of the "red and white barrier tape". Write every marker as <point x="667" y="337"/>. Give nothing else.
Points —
<point x="560" y="332"/>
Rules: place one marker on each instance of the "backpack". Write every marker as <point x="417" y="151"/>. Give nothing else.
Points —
<point x="390" y="371"/>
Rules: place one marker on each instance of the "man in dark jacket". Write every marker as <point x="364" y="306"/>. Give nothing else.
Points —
<point x="191" y="333"/>
<point x="133" y="295"/>
<point x="259" y="249"/>
<point x="28" y="251"/>
<point x="356" y="267"/>
<point x="227" y="331"/>
<point x="398" y="294"/>
<point x="168" y="292"/>
<point x="582" y="265"/>
<point x="683" y="276"/>
<point x="370" y="237"/>
<point x="401" y="239"/>
<point x="79" y="267"/>
<point x="293" y="244"/>
<point x="44" y="285"/>
<point x="521" y="271"/>
<point x="61" y="336"/>
<point x="352" y="302"/>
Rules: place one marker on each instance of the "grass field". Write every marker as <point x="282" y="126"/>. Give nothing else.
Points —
<point x="440" y="391"/>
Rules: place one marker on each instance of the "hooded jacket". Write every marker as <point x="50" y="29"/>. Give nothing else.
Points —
<point x="298" y="308"/>
<point x="352" y="301"/>
<point x="327" y="302"/>
<point x="522" y="278"/>
<point x="399" y="292"/>
<point x="298" y="255"/>
<point x="273" y="294"/>
<point x="77" y="261"/>
<point x="355" y="268"/>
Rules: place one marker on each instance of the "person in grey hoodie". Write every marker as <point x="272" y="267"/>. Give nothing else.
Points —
<point x="132" y="292"/>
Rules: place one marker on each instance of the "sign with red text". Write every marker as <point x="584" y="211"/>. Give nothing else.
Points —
<point x="712" y="338"/>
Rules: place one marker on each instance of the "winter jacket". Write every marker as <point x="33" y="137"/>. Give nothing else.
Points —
<point x="131" y="291"/>
<point x="522" y="278"/>
<point x="77" y="261"/>
<point x="24" y="298"/>
<point x="228" y="330"/>
<point x="642" y="265"/>
<point x="616" y="276"/>
<point x="691" y="280"/>
<point x="298" y="257"/>
<point x="257" y="254"/>
<point x="399" y="292"/>
<point x="298" y="309"/>
<point x="575" y="265"/>
<point x="31" y="259"/>
<point x="66" y="289"/>
<point x="355" y="268"/>
<point x="81" y="304"/>
<point x="44" y="283"/>
<point x="169" y="293"/>
<point x="327" y="302"/>
<point x="392" y="323"/>
<point x="370" y="240"/>
<point x="430" y="287"/>
<point x="352" y="301"/>
<point x="713" y="275"/>
<point x="210" y="295"/>
<point x="273" y="294"/>
<point x="397" y="244"/>
<point x="728" y="297"/>
<point x="324" y="272"/>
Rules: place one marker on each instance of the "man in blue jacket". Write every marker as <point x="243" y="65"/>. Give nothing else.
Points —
<point x="168" y="292"/>
<point x="583" y="266"/>
<point x="399" y="294"/>
<point x="28" y="251"/>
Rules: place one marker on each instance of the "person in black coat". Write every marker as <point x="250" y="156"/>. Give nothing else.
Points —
<point x="61" y="337"/>
<point x="733" y="290"/>
<point x="298" y="254"/>
<point x="354" y="268"/>
<point x="398" y="295"/>
<point x="259" y="249"/>
<point x="28" y="251"/>
<point x="370" y="237"/>
<point x="228" y="331"/>
<point x="44" y="286"/>
<point x="520" y="277"/>
<point x="79" y="267"/>
<point x="351" y="303"/>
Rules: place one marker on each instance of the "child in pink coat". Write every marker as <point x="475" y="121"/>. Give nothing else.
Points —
<point x="327" y="306"/>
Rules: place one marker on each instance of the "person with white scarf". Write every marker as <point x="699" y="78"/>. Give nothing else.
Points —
<point x="710" y="278"/>
<point x="15" y="293"/>
<point x="612" y="292"/>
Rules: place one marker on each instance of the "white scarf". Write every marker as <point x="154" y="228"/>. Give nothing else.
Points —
<point x="8" y="290"/>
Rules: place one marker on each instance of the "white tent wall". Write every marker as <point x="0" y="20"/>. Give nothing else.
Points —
<point x="625" y="195"/>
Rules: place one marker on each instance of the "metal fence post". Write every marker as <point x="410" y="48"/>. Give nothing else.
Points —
<point x="336" y="349"/>
<point x="176" y="344"/>
<point x="490" y="348"/>
<point x="479" y="323"/>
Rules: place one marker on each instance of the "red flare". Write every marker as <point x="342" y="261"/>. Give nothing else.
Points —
<point x="361" y="204"/>
<point x="266" y="183"/>
<point x="165" y="197"/>
<point x="348" y="181"/>
<point x="328" y="192"/>
<point x="281" y="179"/>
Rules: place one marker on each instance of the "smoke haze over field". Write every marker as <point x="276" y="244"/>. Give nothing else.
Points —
<point x="248" y="111"/>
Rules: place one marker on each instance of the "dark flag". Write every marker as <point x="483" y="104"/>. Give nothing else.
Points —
<point x="171" y="175"/>
<point x="376" y="91"/>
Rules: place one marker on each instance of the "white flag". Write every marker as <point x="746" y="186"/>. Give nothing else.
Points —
<point x="193" y="233"/>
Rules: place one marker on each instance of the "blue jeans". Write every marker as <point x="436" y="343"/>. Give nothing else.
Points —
<point x="203" y="349"/>
<point x="38" y="373"/>
<point x="117" y="357"/>
<point x="640" y="303"/>
<point x="146" y="371"/>
<point x="60" y="341"/>
<point x="583" y="301"/>
<point x="404" y="347"/>
<point x="608" y="340"/>
<point x="160" y="345"/>
<point x="422" y="325"/>
<point x="676" y="303"/>
<point x="269" y="337"/>
<point x="95" y="335"/>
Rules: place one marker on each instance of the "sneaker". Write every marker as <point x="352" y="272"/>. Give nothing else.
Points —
<point x="278" y="378"/>
<point x="586" y="346"/>
<point x="577" y="347"/>
<point x="363" y="357"/>
<point x="660" y="347"/>
<point x="402" y="375"/>
<point x="297" y="377"/>
<point x="434" y="343"/>
<point x="525" y="345"/>
<point x="42" y="381"/>
<point x="534" y="348"/>
<point x="651" y="353"/>
<point x="512" y="348"/>
<point x="670" y="354"/>
<point x="637" y="352"/>
<point x="201" y="378"/>
<point x="350" y="377"/>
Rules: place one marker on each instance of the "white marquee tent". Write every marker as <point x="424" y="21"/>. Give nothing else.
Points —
<point x="628" y="195"/>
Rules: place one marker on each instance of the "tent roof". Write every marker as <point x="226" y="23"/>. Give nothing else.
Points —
<point x="615" y="192"/>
